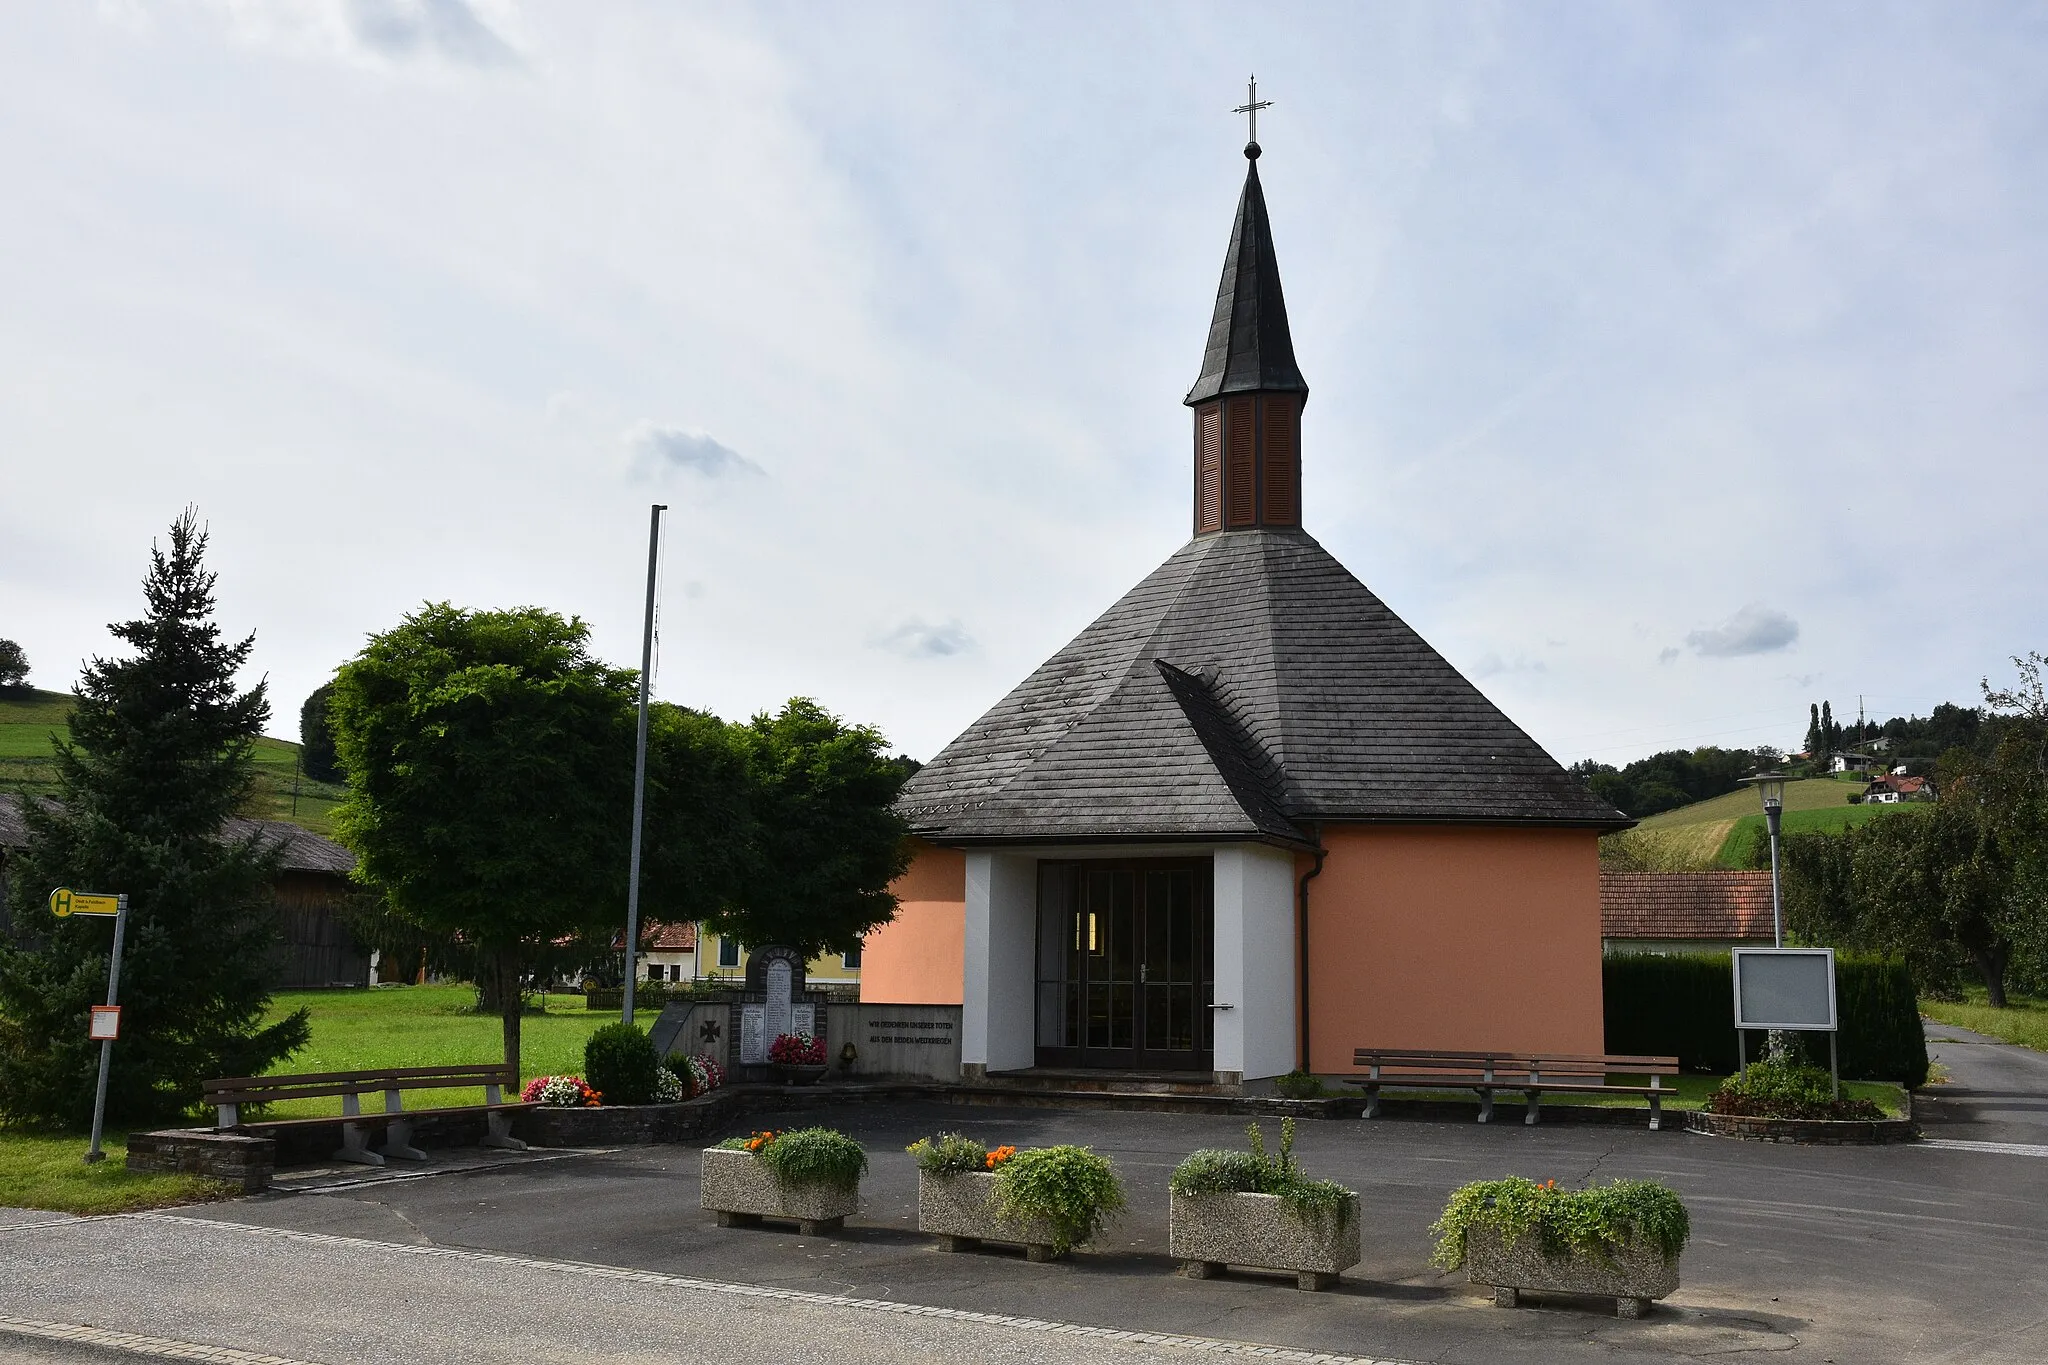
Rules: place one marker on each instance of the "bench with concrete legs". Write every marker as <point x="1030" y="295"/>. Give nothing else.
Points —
<point x="1533" y="1074"/>
<point x="230" y="1096"/>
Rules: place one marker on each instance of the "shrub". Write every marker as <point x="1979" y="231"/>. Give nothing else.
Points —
<point x="1300" y="1085"/>
<point x="1783" y="1090"/>
<point x="620" y="1063"/>
<point x="1682" y="1004"/>
<point x="1071" y="1188"/>
<point x="807" y="1156"/>
<point x="949" y="1154"/>
<point x="1220" y="1172"/>
<point x="1594" y="1222"/>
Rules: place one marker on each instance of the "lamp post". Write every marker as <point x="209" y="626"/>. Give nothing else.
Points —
<point x="1771" y="787"/>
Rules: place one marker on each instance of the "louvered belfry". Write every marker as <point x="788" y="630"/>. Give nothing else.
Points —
<point x="1249" y="397"/>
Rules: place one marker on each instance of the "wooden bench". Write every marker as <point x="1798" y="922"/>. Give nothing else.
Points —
<point x="228" y="1096"/>
<point x="1533" y="1074"/>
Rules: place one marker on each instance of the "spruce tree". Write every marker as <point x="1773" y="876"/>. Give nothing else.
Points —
<point x="160" y="756"/>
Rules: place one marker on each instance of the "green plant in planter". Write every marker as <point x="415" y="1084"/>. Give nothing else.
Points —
<point x="1300" y="1085"/>
<point x="807" y="1156"/>
<point x="949" y="1154"/>
<point x="1071" y="1188"/>
<point x="1780" y="1090"/>
<point x="1592" y="1222"/>
<point x="1214" y="1171"/>
<point x="619" y="1063"/>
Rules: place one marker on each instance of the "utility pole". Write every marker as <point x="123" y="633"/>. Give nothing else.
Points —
<point x="640" y="760"/>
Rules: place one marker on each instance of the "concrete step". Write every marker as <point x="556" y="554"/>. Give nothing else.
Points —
<point x="1042" y="1080"/>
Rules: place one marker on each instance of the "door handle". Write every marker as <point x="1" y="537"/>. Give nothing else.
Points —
<point x="1142" y="973"/>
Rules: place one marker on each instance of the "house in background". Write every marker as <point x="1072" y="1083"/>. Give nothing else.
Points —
<point x="311" y="894"/>
<point x="1894" y="787"/>
<point x="1684" y="912"/>
<point x="724" y="960"/>
<point x="1853" y="763"/>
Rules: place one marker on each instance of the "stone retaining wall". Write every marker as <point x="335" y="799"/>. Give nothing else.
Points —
<point x="1821" y="1132"/>
<point x="240" y="1159"/>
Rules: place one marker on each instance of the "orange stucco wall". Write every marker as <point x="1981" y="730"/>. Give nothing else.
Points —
<point x="1454" y="938"/>
<point x="919" y="957"/>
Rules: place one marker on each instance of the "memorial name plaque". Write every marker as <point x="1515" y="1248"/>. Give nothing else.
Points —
<point x="778" y="989"/>
<point x="803" y="1019"/>
<point x="753" y="1035"/>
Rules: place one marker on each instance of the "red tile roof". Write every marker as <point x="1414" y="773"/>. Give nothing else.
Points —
<point x="1681" y="905"/>
<point x="672" y="938"/>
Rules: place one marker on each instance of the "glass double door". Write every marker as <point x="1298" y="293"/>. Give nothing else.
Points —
<point x="1125" y="964"/>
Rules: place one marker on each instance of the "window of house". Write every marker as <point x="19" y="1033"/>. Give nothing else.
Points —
<point x="655" y="972"/>
<point x="728" y="952"/>
<point x="851" y="961"/>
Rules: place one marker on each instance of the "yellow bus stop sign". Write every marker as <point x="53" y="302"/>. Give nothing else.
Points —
<point x="64" y="902"/>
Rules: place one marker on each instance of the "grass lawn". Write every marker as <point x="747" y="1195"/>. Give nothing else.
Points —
<point x="427" y="1026"/>
<point x="28" y="722"/>
<point x="2024" y="1021"/>
<point x="39" y="1171"/>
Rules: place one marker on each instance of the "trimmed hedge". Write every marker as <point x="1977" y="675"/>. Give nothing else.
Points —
<point x="1683" y="1005"/>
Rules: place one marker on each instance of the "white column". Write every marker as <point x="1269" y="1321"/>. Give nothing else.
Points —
<point x="1001" y="972"/>
<point x="1254" y="960"/>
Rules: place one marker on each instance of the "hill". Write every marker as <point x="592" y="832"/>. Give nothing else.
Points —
<point x="30" y="717"/>
<point x="1722" y="831"/>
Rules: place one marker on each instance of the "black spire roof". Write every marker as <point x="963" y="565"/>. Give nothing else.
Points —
<point x="1250" y="686"/>
<point x="1250" y="348"/>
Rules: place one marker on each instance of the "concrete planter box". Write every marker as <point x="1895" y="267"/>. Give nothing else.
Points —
<point x="1212" y="1231"/>
<point x="1638" y="1273"/>
<point x="741" y="1190"/>
<point x="960" y="1211"/>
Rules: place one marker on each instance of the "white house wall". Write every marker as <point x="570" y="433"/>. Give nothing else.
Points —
<point x="1255" y="968"/>
<point x="996" y="1020"/>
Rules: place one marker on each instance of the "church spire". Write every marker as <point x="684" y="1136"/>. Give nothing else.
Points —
<point x="1249" y="396"/>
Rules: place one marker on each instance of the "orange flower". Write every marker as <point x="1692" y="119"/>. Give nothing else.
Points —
<point x="999" y="1156"/>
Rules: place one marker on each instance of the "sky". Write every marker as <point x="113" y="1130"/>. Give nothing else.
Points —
<point x="1673" y="366"/>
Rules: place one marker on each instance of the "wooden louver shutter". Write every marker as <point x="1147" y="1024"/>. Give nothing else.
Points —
<point x="1209" y="468"/>
<point x="1239" y="487"/>
<point x="1282" y="467"/>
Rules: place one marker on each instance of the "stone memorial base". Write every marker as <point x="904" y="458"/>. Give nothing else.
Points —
<point x="741" y="1190"/>
<point x="960" y="1211"/>
<point x="1637" y="1274"/>
<point x="1212" y="1231"/>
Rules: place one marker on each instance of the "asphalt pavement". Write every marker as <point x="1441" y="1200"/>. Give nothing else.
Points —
<point x="1907" y="1253"/>
<point x="1992" y="1091"/>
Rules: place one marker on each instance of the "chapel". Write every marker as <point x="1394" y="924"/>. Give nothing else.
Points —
<point x="1248" y="820"/>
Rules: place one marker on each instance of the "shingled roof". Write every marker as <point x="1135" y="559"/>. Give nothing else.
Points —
<point x="298" y="848"/>
<point x="1250" y="686"/>
<point x="1686" y="905"/>
<point x="1250" y="347"/>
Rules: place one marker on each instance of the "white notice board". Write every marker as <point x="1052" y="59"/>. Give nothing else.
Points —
<point x="1785" y="988"/>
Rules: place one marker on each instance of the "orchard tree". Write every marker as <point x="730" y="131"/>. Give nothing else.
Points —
<point x="13" y="665"/>
<point x="316" y="737"/>
<point x="489" y="761"/>
<point x="160" y="755"/>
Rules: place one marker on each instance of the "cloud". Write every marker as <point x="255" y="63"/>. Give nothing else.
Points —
<point x="658" y="451"/>
<point x="447" y="29"/>
<point x="1756" y="629"/>
<point x="1665" y="656"/>
<point x="1492" y="665"/>
<point x="916" y="640"/>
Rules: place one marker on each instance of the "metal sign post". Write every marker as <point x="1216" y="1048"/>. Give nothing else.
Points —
<point x="106" y="1019"/>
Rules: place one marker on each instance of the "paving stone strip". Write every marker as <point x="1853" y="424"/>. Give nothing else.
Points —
<point x="154" y="1347"/>
<point x="1998" y="1148"/>
<point x="1212" y="1345"/>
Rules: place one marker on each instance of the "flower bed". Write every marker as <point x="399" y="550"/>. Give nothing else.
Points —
<point x="809" y="1175"/>
<point x="562" y="1092"/>
<point x="1249" y="1209"/>
<point x="1046" y="1199"/>
<point x="1622" y="1239"/>
<point x="1777" y="1090"/>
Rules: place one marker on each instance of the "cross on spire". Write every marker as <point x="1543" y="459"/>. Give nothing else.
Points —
<point x="1251" y="108"/>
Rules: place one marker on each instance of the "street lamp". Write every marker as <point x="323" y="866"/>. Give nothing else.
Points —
<point x="1771" y="787"/>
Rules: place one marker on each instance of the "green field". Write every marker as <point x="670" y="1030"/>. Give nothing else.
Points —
<point x="428" y="1026"/>
<point x="39" y="1171"/>
<point x="28" y="723"/>
<point x="2024" y="1021"/>
<point x="1721" y="831"/>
